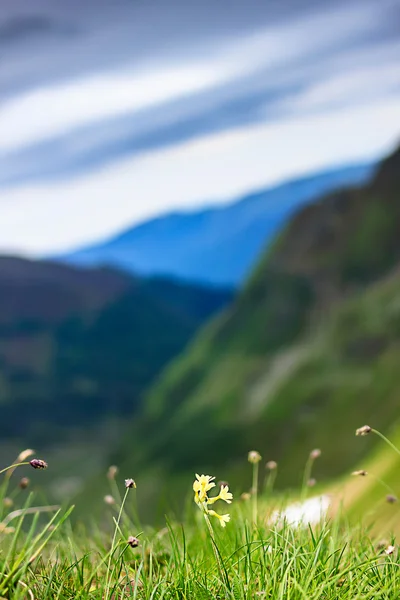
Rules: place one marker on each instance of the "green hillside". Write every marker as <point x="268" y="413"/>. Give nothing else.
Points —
<point x="78" y="347"/>
<point x="308" y="352"/>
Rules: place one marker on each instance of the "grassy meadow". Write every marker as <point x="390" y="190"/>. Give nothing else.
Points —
<point x="255" y="543"/>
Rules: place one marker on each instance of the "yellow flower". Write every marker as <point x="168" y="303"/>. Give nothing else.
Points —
<point x="201" y="486"/>
<point x="223" y="519"/>
<point x="224" y="494"/>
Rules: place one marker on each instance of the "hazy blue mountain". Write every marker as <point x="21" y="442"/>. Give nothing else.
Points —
<point x="218" y="245"/>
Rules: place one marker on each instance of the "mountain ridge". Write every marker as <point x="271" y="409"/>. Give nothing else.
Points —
<point x="216" y="245"/>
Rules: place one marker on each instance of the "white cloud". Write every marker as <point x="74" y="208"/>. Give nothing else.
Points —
<point x="41" y="113"/>
<point x="348" y="88"/>
<point x="49" y="218"/>
<point x="48" y="111"/>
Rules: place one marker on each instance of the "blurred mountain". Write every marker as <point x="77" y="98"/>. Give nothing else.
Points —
<point x="79" y="346"/>
<point x="218" y="245"/>
<point x="308" y="351"/>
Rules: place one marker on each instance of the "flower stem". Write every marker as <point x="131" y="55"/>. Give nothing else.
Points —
<point x="383" y="484"/>
<point x="385" y="439"/>
<point x="113" y="544"/>
<point x="14" y="466"/>
<point x="269" y="487"/>
<point x="215" y="548"/>
<point x="306" y="477"/>
<point x="255" y="493"/>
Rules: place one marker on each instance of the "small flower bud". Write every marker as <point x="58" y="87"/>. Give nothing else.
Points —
<point x="254" y="457"/>
<point x="109" y="500"/>
<point x="37" y="463"/>
<point x="245" y="496"/>
<point x="133" y="541"/>
<point x="391" y="499"/>
<point x="7" y="502"/>
<point x="112" y="471"/>
<point x="360" y="473"/>
<point x="389" y="550"/>
<point x="23" y="484"/>
<point x="271" y="465"/>
<point x="130" y="483"/>
<point x="315" y="453"/>
<point x="364" y="430"/>
<point x="311" y="482"/>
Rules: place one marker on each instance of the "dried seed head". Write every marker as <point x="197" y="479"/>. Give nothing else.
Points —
<point x="271" y="465"/>
<point x="23" y="484"/>
<point x="22" y="456"/>
<point x="315" y="453"/>
<point x="130" y="483"/>
<point x="381" y="544"/>
<point x="112" y="471"/>
<point x="6" y="530"/>
<point x="360" y="473"/>
<point x="389" y="550"/>
<point x="245" y="496"/>
<point x="364" y="430"/>
<point x="109" y="500"/>
<point x="391" y="499"/>
<point x="133" y="541"/>
<point x="37" y="463"/>
<point x="8" y="502"/>
<point x="254" y="457"/>
<point x="311" y="482"/>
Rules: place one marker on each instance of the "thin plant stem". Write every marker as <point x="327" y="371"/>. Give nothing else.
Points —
<point x="255" y="493"/>
<point x="214" y="546"/>
<point x="14" y="466"/>
<point x="269" y="486"/>
<point x="385" y="439"/>
<point x="306" y="477"/>
<point x="113" y="545"/>
<point x="383" y="483"/>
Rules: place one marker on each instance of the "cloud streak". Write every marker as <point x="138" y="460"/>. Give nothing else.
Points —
<point x="129" y="111"/>
<point x="217" y="167"/>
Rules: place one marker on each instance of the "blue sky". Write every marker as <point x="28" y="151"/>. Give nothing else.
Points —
<point x="112" y="112"/>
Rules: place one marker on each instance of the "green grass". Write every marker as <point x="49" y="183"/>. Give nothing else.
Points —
<point x="43" y="556"/>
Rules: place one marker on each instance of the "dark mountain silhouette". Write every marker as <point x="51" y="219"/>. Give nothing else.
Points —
<point x="79" y="346"/>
